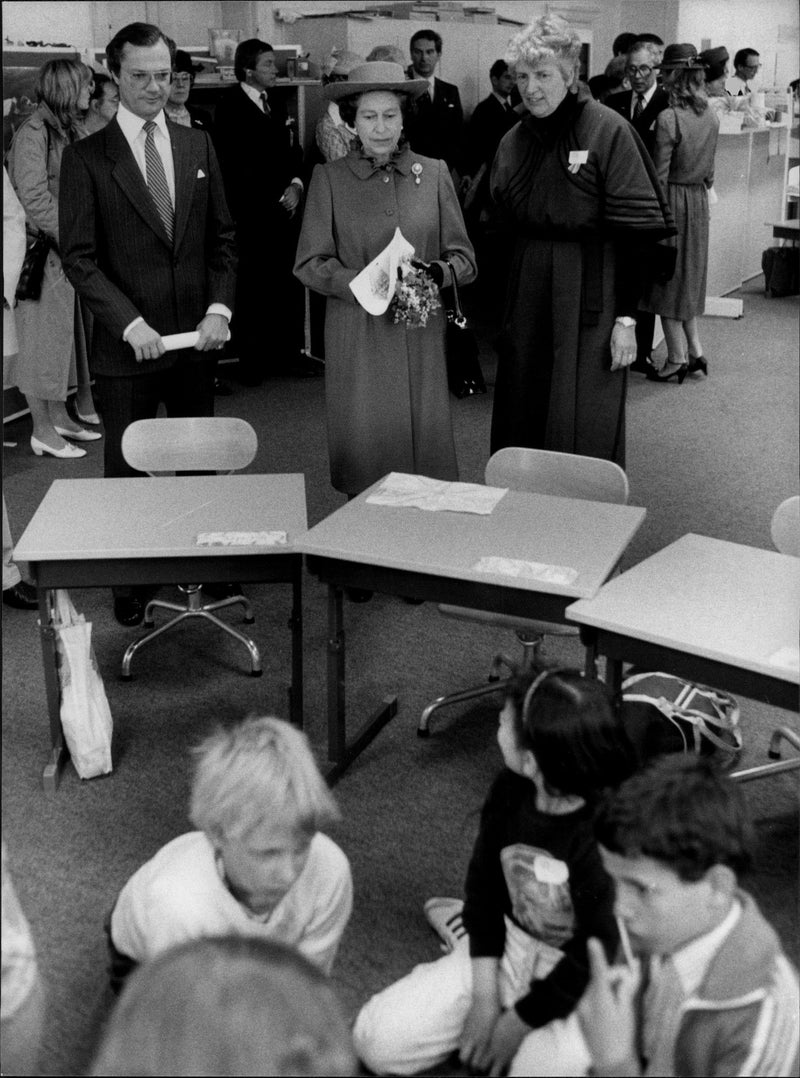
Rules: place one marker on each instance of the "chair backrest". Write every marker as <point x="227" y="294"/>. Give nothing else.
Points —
<point x="785" y="527"/>
<point x="566" y="475"/>
<point x="197" y="444"/>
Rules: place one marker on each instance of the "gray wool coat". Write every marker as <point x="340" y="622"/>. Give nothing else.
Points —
<point x="388" y="407"/>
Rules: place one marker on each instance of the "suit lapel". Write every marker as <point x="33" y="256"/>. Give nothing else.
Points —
<point x="185" y="179"/>
<point x="127" y="175"/>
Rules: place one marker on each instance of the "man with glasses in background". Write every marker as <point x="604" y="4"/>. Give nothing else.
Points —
<point x="148" y="243"/>
<point x="640" y="106"/>
<point x="746" y="65"/>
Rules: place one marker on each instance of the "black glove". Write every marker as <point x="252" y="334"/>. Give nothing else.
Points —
<point x="433" y="270"/>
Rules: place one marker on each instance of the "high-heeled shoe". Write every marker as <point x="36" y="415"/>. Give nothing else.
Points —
<point x="71" y="451"/>
<point x="680" y="372"/>
<point x="93" y="419"/>
<point x="698" y="363"/>
<point x="78" y="435"/>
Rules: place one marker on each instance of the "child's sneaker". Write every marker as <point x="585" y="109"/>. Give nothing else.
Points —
<point x="444" y="917"/>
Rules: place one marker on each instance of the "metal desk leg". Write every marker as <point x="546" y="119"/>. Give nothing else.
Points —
<point x="47" y="636"/>
<point x="337" y="723"/>
<point x="296" y="626"/>
<point x="340" y="751"/>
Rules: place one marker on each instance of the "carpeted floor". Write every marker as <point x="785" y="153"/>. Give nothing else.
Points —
<point x="713" y="456"/>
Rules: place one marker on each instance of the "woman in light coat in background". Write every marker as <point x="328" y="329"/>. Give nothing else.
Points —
<point x="52" y="346"/>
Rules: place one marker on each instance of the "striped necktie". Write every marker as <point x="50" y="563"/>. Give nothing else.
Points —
<point x="638" y="108"/>
<point x="156" y="180"/>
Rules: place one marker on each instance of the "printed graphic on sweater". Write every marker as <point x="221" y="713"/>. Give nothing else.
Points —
<point x="538" y="886"/>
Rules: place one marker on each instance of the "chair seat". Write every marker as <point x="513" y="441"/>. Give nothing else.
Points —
<point x="509" y="621"/>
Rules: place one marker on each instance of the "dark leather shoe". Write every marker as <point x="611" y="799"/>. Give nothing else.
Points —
<point x="641" y="366"/>
<point x="222" y="591"/>
<point x="221" y="389"/>
<point x="22" y="596"/>
<point x="129" y="610"/>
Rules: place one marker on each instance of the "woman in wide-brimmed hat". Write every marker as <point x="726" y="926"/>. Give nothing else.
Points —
<point x="686" y="141"/>
<point x="334" y="138"/>
<point x="387" y="399"/>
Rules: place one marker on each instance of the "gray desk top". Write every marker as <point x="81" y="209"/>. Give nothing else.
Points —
<point x="583" y="535"/>
<point x="708" y="597"/>
<point x="158" y="517"/>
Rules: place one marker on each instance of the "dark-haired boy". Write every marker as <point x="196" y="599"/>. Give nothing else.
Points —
<point x="707" y="988"/>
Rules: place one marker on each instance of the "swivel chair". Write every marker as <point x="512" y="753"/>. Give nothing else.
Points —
<point x="785" y="531"/>
<point x="538" y="471"/>
<point x="199" y="444"/>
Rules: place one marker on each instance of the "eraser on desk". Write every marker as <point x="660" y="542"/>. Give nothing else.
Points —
<point x="241" y="539"/>
<point x="173" y="341"/>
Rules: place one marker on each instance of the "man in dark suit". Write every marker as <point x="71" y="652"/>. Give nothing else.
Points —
<point x="640" y="106"/>
<point x="148" y="244"/>
<point x="434" y="123"/>
<point x="261" y="162"/>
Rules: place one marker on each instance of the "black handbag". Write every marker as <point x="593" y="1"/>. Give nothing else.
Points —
<point x="464" y="374"/>
<point x="31" y="275"/>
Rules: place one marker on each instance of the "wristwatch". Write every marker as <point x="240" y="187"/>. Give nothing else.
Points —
<point x="624" y="320"/>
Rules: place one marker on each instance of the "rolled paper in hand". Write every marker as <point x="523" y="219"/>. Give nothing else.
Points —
<point x="173" y="341"/>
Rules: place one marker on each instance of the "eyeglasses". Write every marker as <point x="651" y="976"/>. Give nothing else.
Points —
<point x="183" y="79"/>
<point x="140" y="79"/>
<point x="644" y="71"/>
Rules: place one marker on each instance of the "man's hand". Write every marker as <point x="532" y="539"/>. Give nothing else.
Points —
<point x="290" y="199"/>
<point x="623" y="346"/>
<point x="213" y="332"/>
<point x="507" y="1036"/>
<point x="145" y="342"/>
<point x="606" y="1011"/>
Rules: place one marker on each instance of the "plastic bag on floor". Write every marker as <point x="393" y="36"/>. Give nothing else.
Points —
<point x="85" y="714"/>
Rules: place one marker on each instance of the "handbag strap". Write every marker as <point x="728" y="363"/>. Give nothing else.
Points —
<point x="456" y="315"/>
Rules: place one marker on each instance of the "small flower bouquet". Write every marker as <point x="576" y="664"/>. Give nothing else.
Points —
<point x="416" y="297"/>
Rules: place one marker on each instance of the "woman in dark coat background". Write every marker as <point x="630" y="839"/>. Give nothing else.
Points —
<point x="578" y="194"/>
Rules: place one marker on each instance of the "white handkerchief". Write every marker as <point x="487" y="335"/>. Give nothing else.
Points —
<point x="241" y="539"/>
<point x="200" y="174"/>
<point x="787" y="656"/>
<point x="422" y="492"/>
<point x="374" y="286"/>
<point x="526" y="570"/>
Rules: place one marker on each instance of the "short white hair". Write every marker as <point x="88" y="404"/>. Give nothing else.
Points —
<point x="654" y="52"/>
<point x="259" y="770"/>
<point x="548" y="38"/>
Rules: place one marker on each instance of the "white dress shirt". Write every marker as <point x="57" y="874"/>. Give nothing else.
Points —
<point x="646" y="98"/>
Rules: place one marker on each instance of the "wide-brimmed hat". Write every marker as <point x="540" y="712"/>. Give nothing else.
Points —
<point x="714" y="61"/>
<point x="184" y="62"/>
<point x="682" y="57"/>
<point x="377" y="75"/>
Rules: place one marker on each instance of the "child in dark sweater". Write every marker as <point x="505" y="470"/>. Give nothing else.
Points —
<point x="536" y="891"/>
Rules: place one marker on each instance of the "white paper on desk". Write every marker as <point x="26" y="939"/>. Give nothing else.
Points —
<point x="173" y="341"/>
<point x="436" y="495"/>
<point x="787" y="656"/>
<point x="273" y="538"/>
<point x="374" y="286"/>
<point x="526" y="570"/>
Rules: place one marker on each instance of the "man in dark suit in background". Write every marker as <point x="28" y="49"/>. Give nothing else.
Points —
<point x="490" y="121"/>
<point x="261" y="163"/>
<point x="640" y="106"/>
<point x="148" y="244"/>
<point x="434" y="123"/>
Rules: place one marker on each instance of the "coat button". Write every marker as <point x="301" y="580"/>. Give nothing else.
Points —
<point x="390" y="213"/>
<point x="385" y="179"/>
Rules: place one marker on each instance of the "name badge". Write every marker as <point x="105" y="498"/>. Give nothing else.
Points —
<point x="577" y="158"/>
